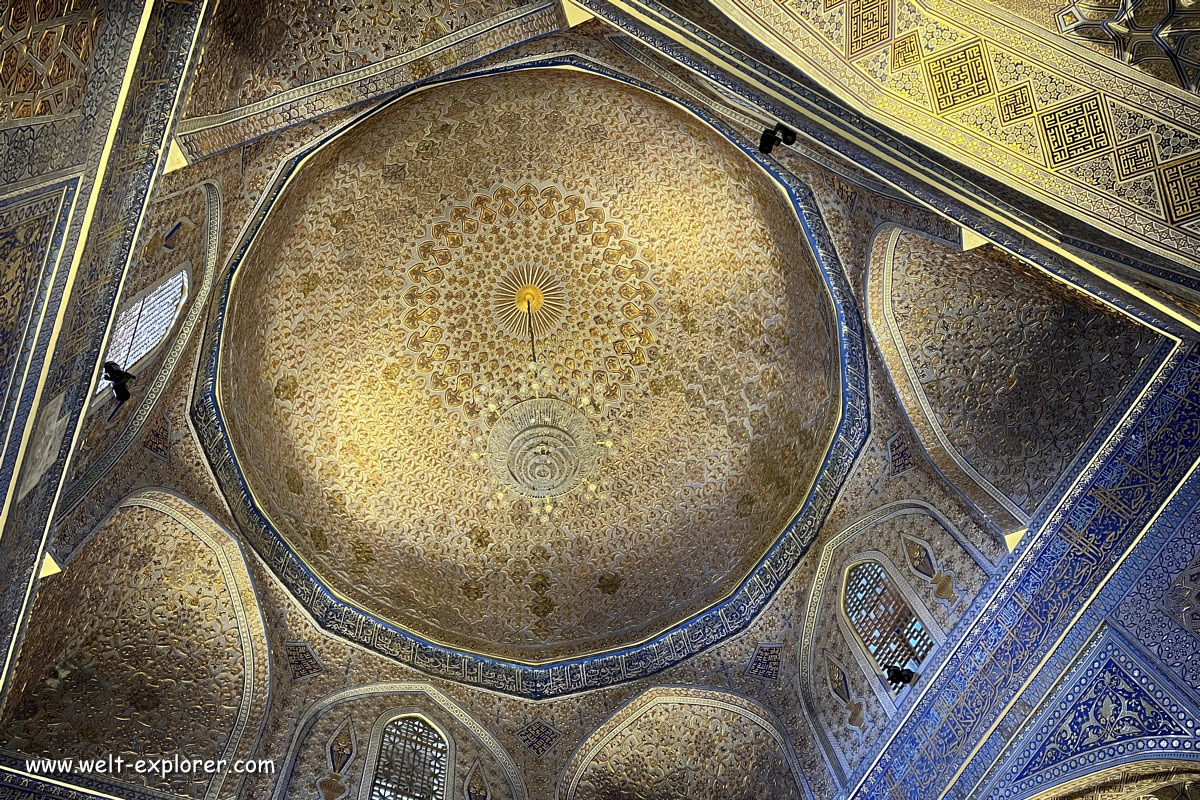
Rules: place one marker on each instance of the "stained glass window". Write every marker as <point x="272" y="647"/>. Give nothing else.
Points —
<point x="883" y="619"/>
<point x="146" y="322"/>
<point x="412" y="762"/>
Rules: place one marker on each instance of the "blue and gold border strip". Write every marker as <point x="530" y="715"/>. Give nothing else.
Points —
<point x="131" y="158"/>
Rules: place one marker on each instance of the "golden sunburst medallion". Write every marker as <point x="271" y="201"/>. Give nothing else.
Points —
<point x="528" y="293"/>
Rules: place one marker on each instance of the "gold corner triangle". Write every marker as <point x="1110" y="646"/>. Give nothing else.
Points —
<point x="1011" y="540"/>
<point x="175" y="157"/>
<point x="576" y="14"/>
<point x="49" y="567"/>
<point x="971" y="239"/>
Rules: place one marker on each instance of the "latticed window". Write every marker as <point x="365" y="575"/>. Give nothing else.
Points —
<point x="883" y="619"/>
<point x="145" y="323"/>
<point x="412" y="762"/>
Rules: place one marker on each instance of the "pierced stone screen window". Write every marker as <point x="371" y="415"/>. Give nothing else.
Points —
<point x="142" y="325"/>
<point x="412" y="762"/>
<point x="883" y="619"/>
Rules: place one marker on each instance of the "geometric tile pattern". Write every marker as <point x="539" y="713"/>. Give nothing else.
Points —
<point x="1157" y="37"/>
<point x="1180" y="181"/>
<point x="255" y="50"/>
<point x="1075" y="130"/>
<point x="32" y="230"/>
<point x="1148" y="645"/>
<point x="105" y="441"/>
<point x="539" y="736"/>
<point x="450" y="323"/>
<point x="927" y="105"/>
<point x="302" y="661"/>
<point x="959" y="77"/>
<point x="906" y="50"/>
<point x="174" y="585"/>
<point x="1015" y="104"/>
<point x="1104" y="706"/>
<point x="1135" y="157"/>
<point x="870" y="23"/>
<point x="764" y="664"/>
<point x="45" y="53"/>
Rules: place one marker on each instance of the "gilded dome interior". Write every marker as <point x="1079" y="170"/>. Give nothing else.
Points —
<point x="526" y="384"/>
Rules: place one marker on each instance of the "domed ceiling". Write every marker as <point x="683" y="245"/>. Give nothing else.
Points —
<point x="532" y="365"/>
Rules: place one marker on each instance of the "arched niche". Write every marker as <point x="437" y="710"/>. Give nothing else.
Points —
<point x="1004" y="372"/>
<point x="844" y="695"/>
<point x="182" y="237"/>
<point x="677" y="743"/>
<point x="335" y="747"/>
<point x="148" y="644"/>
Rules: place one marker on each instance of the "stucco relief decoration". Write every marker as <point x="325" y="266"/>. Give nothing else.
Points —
<point x="1004" y="372"/>
<point x="257" y="49"/>
<point x="45" y="56"/>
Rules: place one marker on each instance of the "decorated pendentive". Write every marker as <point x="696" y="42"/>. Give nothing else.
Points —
<point x="531" y="316"/>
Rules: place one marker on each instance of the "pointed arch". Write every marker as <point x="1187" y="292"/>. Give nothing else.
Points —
<point x="411" y="757"/>
<point x="754" y="758"/>
<point x="884" y="622"/>
<point x="143" y="324"/>
<point x="1157" y="778"/>
<point x="826" y="631"/>
<point x="470" y="740"/>
<point x="1000" y="365"/>
<point x="101" y="448"/>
